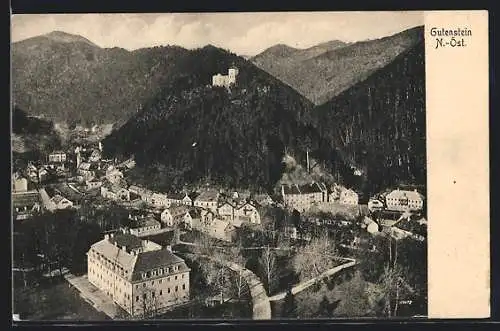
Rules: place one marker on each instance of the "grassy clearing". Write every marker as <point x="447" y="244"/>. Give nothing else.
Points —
<point x="57" y="301"/>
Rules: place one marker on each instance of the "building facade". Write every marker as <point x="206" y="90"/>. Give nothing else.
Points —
<point x="303" y="197"/>
<point x="226" y="80"/>
<point x="140" y="276"/>
<point x="402" y="200"/>
<point x="348" y="197"/>
<point x="57" y="157"/>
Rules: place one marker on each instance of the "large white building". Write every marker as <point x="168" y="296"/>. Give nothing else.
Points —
<point x="140" y="276"/>
<point x="225" y="80"/>
<point x="303" y="197"/>
<point x="402" y="200"/>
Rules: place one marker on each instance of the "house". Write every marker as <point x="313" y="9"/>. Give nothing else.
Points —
<point x="207" y="199"/>
<point x="113" y="175"/>
<point x="375" y="204"/>
<point x="160" y="200"/>
<point x="167" y="218"/>
<point x="86" y="170"/>
<point x="247" y="212"/>
<point x="60" y="202"/>
<point x="145" y="194"/>
<point x="179" y="199"/>
<point x="92" y="184"/>
<point x="402" y="200"/>
<point x="180" y="215"/>
<point x="19" y="184"/>
<point x="225" y="211"/>
<point x="140" y="276"/>
<point x="95" y="156"/>
<point x="25" y="204"/>
<point x="57" y="157"/>
<point x="145" y="226"/>
<point x="194" y="215"/>
<point x="348" y="197"/>
<point x="219" y="229"/>
<point x="303" y="197"/>
<point x="114" y="192"/>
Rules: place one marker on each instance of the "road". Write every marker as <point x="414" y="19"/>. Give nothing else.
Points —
<point x="260" y="300"/>
<point x="304" y="285"/>
<point x="94" y="296"/>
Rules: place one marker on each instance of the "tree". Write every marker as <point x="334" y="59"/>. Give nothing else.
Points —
<point x="149" y="302"/>
<point x="236" y="257"/>
<point x="324" y="309"/>
<point x="289" y="309"/>
<point x="315" y="258"/>
<point x="267" y="262"/>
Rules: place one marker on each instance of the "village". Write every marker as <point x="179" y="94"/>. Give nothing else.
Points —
<point x="138" y="260"/>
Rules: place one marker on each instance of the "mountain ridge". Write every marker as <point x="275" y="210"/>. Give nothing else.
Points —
<point x="328" y="72"/>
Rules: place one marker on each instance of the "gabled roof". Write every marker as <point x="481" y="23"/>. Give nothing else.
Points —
<point x="156" y="259"/>
<point x="310" y="188"/>
<point x="195" y="213"/>
<point x="146" y="221"/>
<point x="177" y="196"/>
<point x="291" y="189"/>
<point x="209" y="195"/>
<point x="400" y="194"/>
<point x="127" y="240"/>
<point x="178" y="211"/>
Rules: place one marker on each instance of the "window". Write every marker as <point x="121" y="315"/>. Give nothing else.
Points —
<point x="144" y="296"/>
<point x="136" y="287"/>
<point x="175" y="277"/>
<point x="161" y="293"/>
<point x="182" y="276"/>
<point x="176" y="288"/>
<point x="152" y="282"/>
<point x="143" y="284"/>
<point x="160" y="281"/>
<point x="168" y="290"/>
<point x="183" y="286"/>
<point x="137" y="298"/>
<point x="153" y="294"/>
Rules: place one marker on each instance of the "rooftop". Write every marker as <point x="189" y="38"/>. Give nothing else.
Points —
<point x="209" y="195"/>
<point x="156" y="259"/>
<point x="127" y="240"/>
<point x="147" y="221"/>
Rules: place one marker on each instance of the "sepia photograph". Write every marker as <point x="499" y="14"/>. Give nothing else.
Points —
<point x="219" y="166"/>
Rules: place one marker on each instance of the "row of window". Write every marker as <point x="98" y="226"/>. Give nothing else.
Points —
<point x="153" y="293"/>
<point x="160" y="281"/>
<point x="159" y="272"/>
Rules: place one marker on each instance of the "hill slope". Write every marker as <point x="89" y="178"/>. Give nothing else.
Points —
<point x="193" y="133"/>
<point x="322" y="72"/>
<point x="378" y="125"/>
<point x="32" y="135"/>
<point x="70" y="79"/>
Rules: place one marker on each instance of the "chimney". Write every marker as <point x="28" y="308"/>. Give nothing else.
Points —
<point x="111" y="235"/>
<point x="106" y="236"/>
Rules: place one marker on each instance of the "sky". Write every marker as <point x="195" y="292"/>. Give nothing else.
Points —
<point x="242" y="33"/>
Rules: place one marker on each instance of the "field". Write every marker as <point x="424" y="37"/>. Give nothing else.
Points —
<point x="55" y="301"/>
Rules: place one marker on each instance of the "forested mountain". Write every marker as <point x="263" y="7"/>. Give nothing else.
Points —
<point x="321" y="72"/>
<point x="193" y="132"/>
<point x="69" y="79"/>
<point x="378" y="125"/>
<point x="30" y="134"/>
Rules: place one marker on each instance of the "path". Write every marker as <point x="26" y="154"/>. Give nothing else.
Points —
<point x="304" y="285"/>
<point x="94" y="296"/>
<point x="260" y="300"/>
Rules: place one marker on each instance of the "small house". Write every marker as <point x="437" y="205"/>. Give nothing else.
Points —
<point x="145" y="226"/>
<point x="60" y="202"/>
